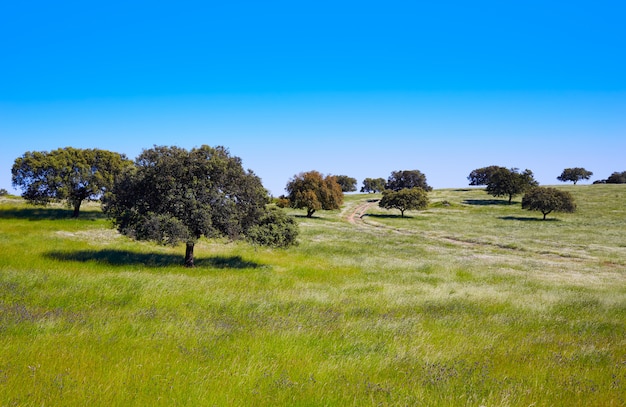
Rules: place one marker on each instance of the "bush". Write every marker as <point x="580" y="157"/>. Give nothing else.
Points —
<point x="274" y="229"/>
<point x="282" y="202"/>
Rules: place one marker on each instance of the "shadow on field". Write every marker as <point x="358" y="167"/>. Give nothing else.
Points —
<point x="484" y="202"/>
<point x="390" y="216"/>
<point x="317" y="218"/>
<point x="527" y="219"/>
<point x="41" y="213"/>
<point x="126" y="258"/>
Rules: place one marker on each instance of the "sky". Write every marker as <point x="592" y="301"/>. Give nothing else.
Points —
<point x="353" y="88"/>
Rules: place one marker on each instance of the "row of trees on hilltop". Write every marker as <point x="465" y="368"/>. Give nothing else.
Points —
<point x="615" y="178"/>
<point x="501" y="181"/>
<point x="313" y="191"/>
<point x="168" y="194"/>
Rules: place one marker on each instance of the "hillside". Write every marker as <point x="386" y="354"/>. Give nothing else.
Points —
<point x="470" y="302"/>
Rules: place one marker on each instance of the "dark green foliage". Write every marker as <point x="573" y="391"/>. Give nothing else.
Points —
<point x="547" y="200"/>
<point x="574" y="175"/>
<point x="617" y="178"/>
<point x="274" y="229"/>
<point x="404" y="199"/>
<point x="4" y="192"/>
<point x="173" y="195"/>
<point x="69" y="174"/>
<point x="347" y="184"/>
<point x="373" y="185"/>
<point x="505" y="182"/>
<point x="312" y="191"/>
<point x="482" y="176"/>
<point x="407" y="179"/>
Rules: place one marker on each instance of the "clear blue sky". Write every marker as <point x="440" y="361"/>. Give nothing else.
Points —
<point x="355" y="88"/>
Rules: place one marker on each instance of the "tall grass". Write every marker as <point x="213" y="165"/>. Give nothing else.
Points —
<point x="470" y="302"/>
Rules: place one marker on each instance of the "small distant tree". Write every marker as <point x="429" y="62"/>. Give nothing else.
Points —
<point x="574" y="175"/>
<point x="505" y="182"/>
<point x="348" y="184"/>
<point x="67" y="174"/>
<point x="405" y="199"/>
<point x="547" y="200"/>
<point x="407" y="179"/>
<point x="312" y="191"/>
<point x="617" y="178"/>
<point x="4" y="192"/>
<point x="373" y="185"/>
<point x="482" y="176"/>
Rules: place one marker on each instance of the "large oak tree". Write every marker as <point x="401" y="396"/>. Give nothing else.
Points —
<point x="547" y="200"/>
<point x="347" y="184"/>
<point x="373" y="185"/>
<point x="404" y="199"/>
<point x="67" y="174"/>
<point x="173" y="195"/>
<point x="407" y="179"/>
<point x="505" y="182"/>
<point x="482" y="176"/>
<point x="574" y="175"/>
<point x="312" y="191"/>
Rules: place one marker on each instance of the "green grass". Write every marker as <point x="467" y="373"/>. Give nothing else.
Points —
<point x="470" y="302"/>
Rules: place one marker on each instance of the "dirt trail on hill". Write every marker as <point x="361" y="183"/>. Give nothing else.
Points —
<point x="356" y="216"/>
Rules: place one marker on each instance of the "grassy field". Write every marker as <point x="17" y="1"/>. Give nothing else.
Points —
<point x="471" y="302"/>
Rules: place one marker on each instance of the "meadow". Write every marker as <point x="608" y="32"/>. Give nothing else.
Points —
<point x="471" y="302"/>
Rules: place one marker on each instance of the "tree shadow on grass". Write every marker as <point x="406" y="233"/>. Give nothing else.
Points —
<point x="528" y="219"/>
<point x="485" y="202"/>
<point x="42" y="213"/>
<point x="387" y="216"/>
<point x="127" y="258"/>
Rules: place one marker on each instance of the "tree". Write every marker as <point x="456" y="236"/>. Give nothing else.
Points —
<point x="373" y="185"/>
<point x="69" y="174"/>
<point x="4" y="192"/>
<point x="405" y="199"/>
<point x="312" y="191"/>
<point x="348" y="184"/>
<point x="617" y="178"/>
<point x="172" y="195"/>
<point x="574" y="175"/>
<point x="482" y="176"/>
<point x="505" y="182"/>
<point x="407" y="179"/>
<point x="547" y="200"/>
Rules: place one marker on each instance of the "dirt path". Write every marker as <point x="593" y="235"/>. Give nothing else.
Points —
<point x="356" y="214"/>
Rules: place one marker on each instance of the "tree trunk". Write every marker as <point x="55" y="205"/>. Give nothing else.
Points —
<point x="76" y="209"/>
<point x="309" y="213"/>
<point x="189" y="255"/>
<point x="401" y="213"/>
<point x="510" y="198"/>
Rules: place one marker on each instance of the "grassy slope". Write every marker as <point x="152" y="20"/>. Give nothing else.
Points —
<point x="471" y="303"/>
